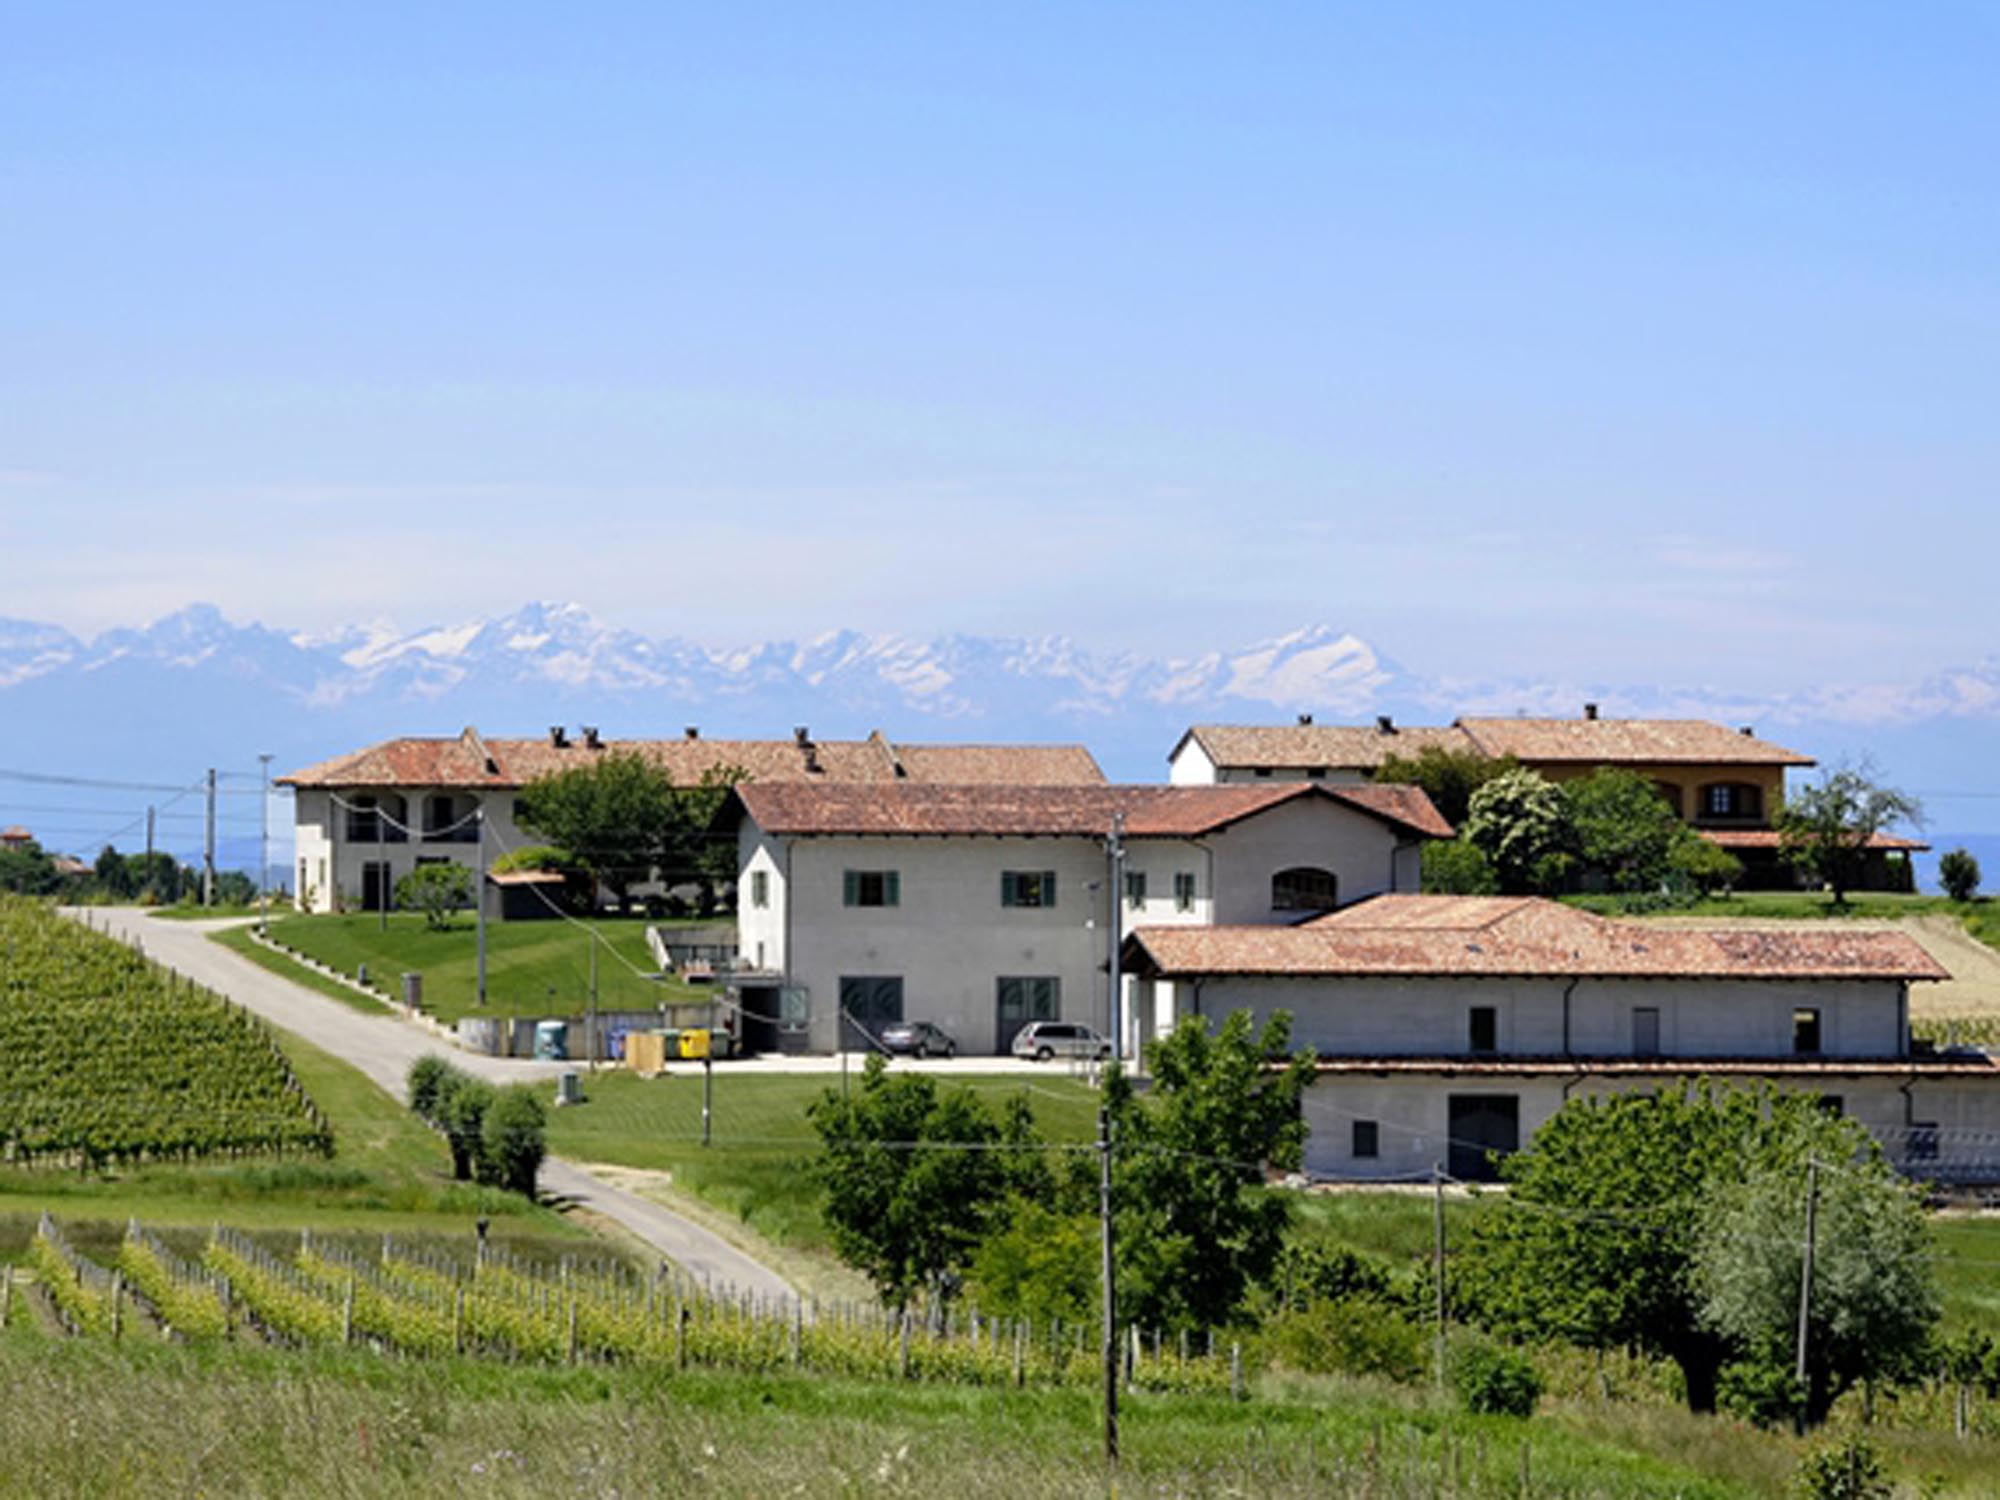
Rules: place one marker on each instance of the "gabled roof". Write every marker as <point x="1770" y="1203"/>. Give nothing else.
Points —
<point x="471" y="761"/>
<point x="1308" y="746"/>
<point x="907" y="809"/>
<point x="1581" y="741"/>
<point x="1771" y="838"/>
<point x="1595" y="741"/>
<point x="1520" y="936"/>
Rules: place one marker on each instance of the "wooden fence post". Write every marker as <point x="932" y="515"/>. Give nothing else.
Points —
<point x="1235" y="1372"/>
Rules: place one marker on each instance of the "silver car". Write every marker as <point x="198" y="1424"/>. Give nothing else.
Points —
<point x="1043" y="1040"/>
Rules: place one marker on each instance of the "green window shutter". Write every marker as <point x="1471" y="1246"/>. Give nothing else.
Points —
<point x="850" y="888"/>
<point x="1048" y="887"/>
<point x="892" y="888"/>
<point x="1007" y="891"/>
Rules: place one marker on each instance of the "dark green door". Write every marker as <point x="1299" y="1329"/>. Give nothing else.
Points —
<point x="1021" y="1001"/>
<point x="868" y="1002"/>
<point x="1484" y="1127"/>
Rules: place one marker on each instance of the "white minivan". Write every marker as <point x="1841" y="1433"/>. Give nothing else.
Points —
<point x="1043" y="1040"/>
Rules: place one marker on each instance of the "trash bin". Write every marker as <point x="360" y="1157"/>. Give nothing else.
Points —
<point x="569" y="1088"/>
<point x="413" y="991"/>
<point x="694" y="1043"/>
<point x="552" y="1041"/>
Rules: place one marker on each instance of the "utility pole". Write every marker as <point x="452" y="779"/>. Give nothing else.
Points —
<point x="1437" y="1263"/>
<point x="381" y="866"/>
<point x="264" y="845"/>
<point x="1110" y="1284"/>
<point x="707" y="1088"/>
<point x="479" y="900"/>
<point x="150" y="880"/>
<point x="590" y="1031"/>
<point x="1114" y="850"/>
<point x="1805" y="1280"/>
<point x="208" y="847"/>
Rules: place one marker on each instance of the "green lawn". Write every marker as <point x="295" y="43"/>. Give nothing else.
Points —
<point x="532" y="968"/>
<point x="756" y="1170"/>
<point x="195" y="912"/>
<point x="239" y="940"/>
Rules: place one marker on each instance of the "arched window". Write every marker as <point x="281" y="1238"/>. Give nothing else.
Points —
<point x="1304" y="888"/>
<point x="1732" y="800"/>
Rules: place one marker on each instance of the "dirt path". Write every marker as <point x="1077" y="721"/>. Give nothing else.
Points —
<point x="1972" y="990"/>
<point x="383" y="1048"/>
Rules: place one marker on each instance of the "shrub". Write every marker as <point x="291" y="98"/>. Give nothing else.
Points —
<point x="1958" y="873"/>
<point x="427" y="1080"/>
<point x="462" y="1106"/>
<point x="1347" y="1336"/>
<point x="435" y="890"/>
<point x="1452" y="867"/>
<point x="1759" y="1391"/>
<point x="1850" y="1470"/>
<point x="1494" y="1380"/>
<point x="512" y="1141"/>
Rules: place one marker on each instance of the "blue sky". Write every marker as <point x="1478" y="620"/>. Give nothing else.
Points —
<point x="1653" y="343"/>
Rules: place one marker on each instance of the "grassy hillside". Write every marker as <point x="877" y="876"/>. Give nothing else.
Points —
<point x="532" y="968"/>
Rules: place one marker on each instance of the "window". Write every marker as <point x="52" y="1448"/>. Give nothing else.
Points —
<point x="1262" y="771"/>
<point x="1731" y="799"/>
<point x="871" y="888"/>
<point x="1304" y="888"/>
<point x="760" y="890"/>
<point x="1184" y="891"/>
<point x="1805" y="1029"/>
<point x="1318" y="773"/>
<point x="1645" y="1031"/>
<point x="1833" y="1104"/>
<point x="794" y="1008"/>
<point x="1027" y="887"/>
<point x="1367" y="1141"/>
<point x="1135" y="888"/>
<point x="1923" y="1140"/>
<point x="520" y="810"/>
<point x="1485" y="1029"/>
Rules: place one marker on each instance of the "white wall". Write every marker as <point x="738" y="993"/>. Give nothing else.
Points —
<point x="1425" y="1017"/>
<point x="1411" y="1115"/>
<point x="1360" y="850"/>
<point x="333" y="868"/>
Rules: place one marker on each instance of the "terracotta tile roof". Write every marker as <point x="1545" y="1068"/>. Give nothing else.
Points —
<point x="1768" y="838"/>
<point x="1969" y="1064"/>
<point x="15" y="835"/>
<point x="1654" y="742"/>
<point x="472" y="761"/>
<point x="1302" y="747"/>
<point x="1087" y="811"/>
<point x="1523" y="936"/>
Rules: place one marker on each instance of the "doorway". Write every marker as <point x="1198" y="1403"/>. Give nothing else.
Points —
<point x="1021" y="1001"/>
<point x="867" y="1004"/>
<point x="1483" y="1127"/>
<point x="376" y="889"/>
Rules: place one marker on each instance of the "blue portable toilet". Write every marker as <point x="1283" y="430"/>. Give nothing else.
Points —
<point x="552" y="1041"/>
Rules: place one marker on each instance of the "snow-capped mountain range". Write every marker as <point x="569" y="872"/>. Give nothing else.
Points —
<point x="195" y="688"/>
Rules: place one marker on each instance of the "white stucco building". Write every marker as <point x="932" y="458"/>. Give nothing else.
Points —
<point x="366" y="819"/>
<point x="980" y="908"/>
<point x="1450" y="1027"/>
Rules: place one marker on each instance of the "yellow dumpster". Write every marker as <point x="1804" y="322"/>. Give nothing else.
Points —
<point x="646" y="1051"/>
<point x="694" y="1043"/>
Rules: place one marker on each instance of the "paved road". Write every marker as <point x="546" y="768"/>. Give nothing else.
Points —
<point x="383" y="1048"/>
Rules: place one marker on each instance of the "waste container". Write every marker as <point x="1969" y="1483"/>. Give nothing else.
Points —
<point x="413" y="991"/>
<point x="552" y="1041"/>
<point x="569" y="1088"/>
<point x="646" y="1051"/>
<point x="694" y="1042"/>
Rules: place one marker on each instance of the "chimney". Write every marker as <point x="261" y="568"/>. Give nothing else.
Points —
<point x="693" y="731"/>
<point x="1590" y="710"/>
<point x="802" y="736"/>
<point x="590" y="739"/>
<point x="558" y="737"/>
<point x="1305" y="721"/>
<point x="1748" y="731"/>
<point x="1384" y="724"/>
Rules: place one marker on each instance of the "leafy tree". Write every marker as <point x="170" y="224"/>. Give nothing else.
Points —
<point x="513" y="1139"/>
<point x="1039" y="1263"/>
<point x="1448" y="777"/>
<point x="426" y="1082"/>
<point x="113" y="875"/>
<point x="437" y="891"/>
<point x="1453" y="867"/>
<point x="612" y="815"/>
<point x="1520" y="822"/>
<point x="912" y="1180"/>
<point x="234" y="888"/>
<point x="1622" y="828"/>
<point x="1596" y="1239"/>
<point x="26" y="870"/>
<point x="1195" y="1225"/>
<point x="1702" y="863"/>
<point x="1873" y="1302"/>
<point x="462" y="1104"/>
<point x="1958" y="873"/>
<point x="1825" y="829"/>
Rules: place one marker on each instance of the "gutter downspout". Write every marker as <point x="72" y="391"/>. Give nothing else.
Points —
<point x="1568" y="990"/>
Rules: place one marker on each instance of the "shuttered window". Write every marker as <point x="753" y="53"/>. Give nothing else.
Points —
<point x="1027" y="887"/>
<point x="871" y="888"/>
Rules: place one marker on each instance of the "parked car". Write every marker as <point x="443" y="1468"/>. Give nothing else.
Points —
<point x="1043" y="1040"/>
<point x="917" y="1039"/>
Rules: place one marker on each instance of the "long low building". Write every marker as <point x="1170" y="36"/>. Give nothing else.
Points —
<point x="1449" y="1028"/>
